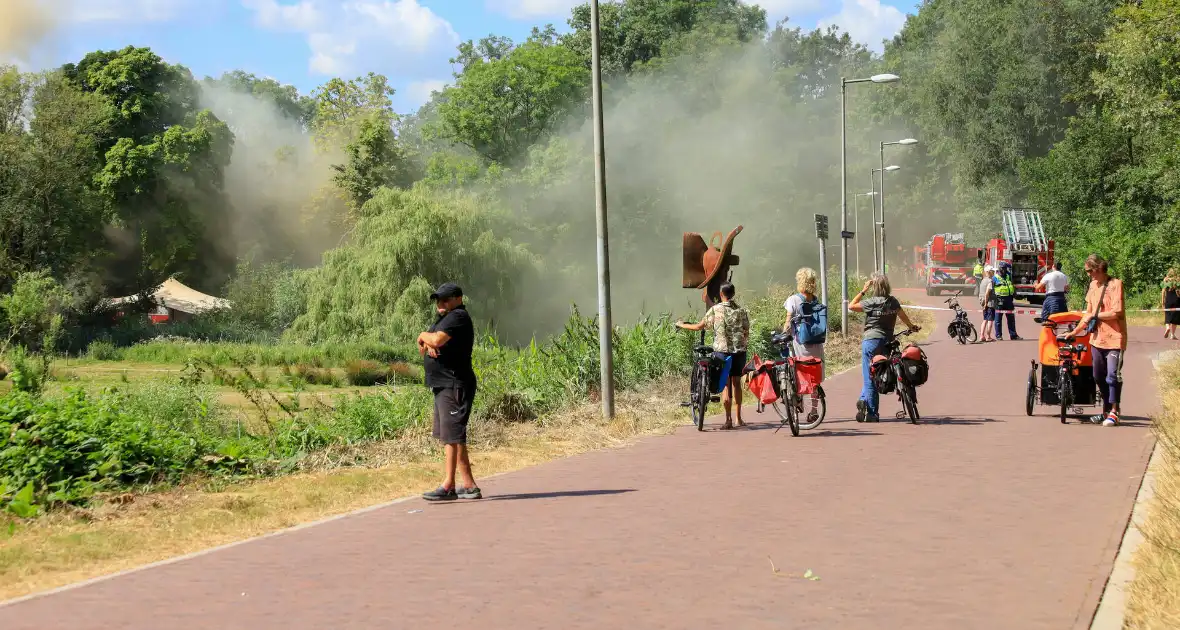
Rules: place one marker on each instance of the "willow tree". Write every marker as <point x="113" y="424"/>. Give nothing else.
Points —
<point x="376" y="287"/>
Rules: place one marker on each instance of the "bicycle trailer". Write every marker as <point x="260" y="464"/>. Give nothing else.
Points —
<point x="1052" y="351"/>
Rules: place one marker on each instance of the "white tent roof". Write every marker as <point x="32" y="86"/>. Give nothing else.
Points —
<point x="174" y="295"/>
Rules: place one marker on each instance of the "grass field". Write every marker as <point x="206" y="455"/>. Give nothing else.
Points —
<point x="119" y="528"/>
<point x="1153" y="601"/>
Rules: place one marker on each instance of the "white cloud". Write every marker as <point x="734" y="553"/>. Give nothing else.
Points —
<point x="867" y="21"/>
<point x="419" y="92"/>
<point x="524" y="9"/>
<point x="90" y="11"/>
<point x="296" y="17"/>
<point x="361" y="35"/>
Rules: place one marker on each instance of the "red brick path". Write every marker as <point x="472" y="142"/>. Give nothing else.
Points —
<point x="978" y="518"/>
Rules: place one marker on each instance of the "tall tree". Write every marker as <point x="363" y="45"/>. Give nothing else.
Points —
<point x="499" y="107"/>
<point x="51" y="215"/>
<point x="164" y="161"/>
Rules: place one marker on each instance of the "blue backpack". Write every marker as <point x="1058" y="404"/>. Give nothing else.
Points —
<point x="811" y="323"/>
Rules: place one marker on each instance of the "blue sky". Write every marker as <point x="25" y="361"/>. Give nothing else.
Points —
<point x="305" y="42"/>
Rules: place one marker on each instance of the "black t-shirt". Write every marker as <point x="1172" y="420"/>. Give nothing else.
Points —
<point x="880" y="316"/>
<point x="452" y="368"/>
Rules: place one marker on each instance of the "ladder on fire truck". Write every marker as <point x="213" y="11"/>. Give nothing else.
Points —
<point x="1024" y="231"/>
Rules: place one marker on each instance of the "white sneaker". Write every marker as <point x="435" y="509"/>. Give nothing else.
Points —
<point x="1109" y="422"/>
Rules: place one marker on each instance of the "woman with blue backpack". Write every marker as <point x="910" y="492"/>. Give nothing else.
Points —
<point x="807" y="321"/>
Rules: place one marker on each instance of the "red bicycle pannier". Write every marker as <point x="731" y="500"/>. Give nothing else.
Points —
<point x="810" y="373"/>
<point x="761" y="382"/>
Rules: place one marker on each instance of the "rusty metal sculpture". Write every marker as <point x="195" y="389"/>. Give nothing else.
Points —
<point x="707" y="266"/>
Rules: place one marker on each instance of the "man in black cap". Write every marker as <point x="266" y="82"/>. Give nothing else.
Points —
<point x="446" y="356"/>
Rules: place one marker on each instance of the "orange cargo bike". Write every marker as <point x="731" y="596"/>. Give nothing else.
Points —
<point x="1066" y="378"/>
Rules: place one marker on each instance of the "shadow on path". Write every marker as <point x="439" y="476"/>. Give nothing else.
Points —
<point x="958" y="421"/>
<point x="555" y="495"/>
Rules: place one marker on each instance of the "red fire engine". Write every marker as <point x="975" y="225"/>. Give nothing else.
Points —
<point x="948" y="264"/>
<point x="1025" y="248"/>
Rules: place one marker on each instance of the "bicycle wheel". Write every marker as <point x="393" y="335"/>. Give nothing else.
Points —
<point x="700" y="396"/>
<point x="821" y="408"/>
<point x="973" y="335"/>
<point x="1030" y="397"/>
<point x="1064" y="392"/>
<point x="909" y="400"/>
<point x="786" y="403"/>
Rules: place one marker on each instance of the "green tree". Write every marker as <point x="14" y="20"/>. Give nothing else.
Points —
<point x="988" y="84"/>
<point x="163" y="169"/>
<point x="636" y="31"/>
<point x="374" y="160"/>
<point x="51" y="215"/>
<point x="501" y="106"/>
<point x="284" y="98"/>
<point x="1111" y="186"/>
<point x="406" y="242"/>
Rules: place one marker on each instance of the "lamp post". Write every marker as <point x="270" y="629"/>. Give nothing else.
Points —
<point x="856" y="227"/>
<point x="879" y="262"/>
<point x="906" y="142"/>
<point x="605" y="351"/>
<point x="877" y="78"/>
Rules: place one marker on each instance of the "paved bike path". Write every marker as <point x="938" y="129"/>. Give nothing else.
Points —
<point x="978" y="518"/>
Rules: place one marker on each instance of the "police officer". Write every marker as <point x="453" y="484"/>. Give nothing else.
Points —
<point x="978" y="273"/>
<point x="1005" y="292"/>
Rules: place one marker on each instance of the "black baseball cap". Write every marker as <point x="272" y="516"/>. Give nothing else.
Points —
<point x="446" y="290"/>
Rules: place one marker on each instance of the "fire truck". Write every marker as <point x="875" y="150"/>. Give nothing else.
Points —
<point x="947" y="264"/>
<point x="1023" y="245"/>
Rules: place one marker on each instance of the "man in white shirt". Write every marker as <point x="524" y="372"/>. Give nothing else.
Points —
<point x="1055" y="283"/>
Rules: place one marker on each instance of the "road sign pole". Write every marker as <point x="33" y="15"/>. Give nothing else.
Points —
<point x="821" y="235"/>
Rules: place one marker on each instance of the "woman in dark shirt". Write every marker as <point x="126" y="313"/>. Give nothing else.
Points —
<point x="881" y="313"/>
<point x="1170" y="299"/>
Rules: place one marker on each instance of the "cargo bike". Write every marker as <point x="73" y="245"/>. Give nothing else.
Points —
<point x="1062" y="375"/>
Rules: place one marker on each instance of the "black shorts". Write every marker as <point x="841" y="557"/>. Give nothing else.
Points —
<point x="452" y="409"/>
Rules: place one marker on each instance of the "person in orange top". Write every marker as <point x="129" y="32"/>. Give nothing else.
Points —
<point x="1108" y="340"/>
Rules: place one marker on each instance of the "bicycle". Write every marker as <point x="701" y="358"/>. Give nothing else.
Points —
<point x="960" y="329"/>
<point x="1072" y="387"/>
<point x="907" y="391"/>
<point x="699" y="392"/>
<point x="789" y="405"/>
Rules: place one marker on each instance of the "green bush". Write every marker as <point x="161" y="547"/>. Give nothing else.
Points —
<point x="103" y="351"/>
<point x="70" y="447"/>
<point x="366" y="373"/>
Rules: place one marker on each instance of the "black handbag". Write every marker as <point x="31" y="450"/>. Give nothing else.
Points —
<point x="1092" y="325"/>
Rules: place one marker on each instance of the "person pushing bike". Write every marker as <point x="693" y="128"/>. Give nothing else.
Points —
<point x="881" y="313"/>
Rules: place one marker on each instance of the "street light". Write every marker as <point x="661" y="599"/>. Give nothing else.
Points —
<point x="878" y="226"/>
<point x="907" y="142"/>
<point x="856" y="227"/>
<point x="605" y="351"/>
<point x="876" y="78"/>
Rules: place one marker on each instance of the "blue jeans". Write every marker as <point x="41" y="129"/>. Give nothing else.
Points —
<point x="869" y="348"/>
<point x="1054" y="303"/>
<point x="1005" y="304"/>
<point x="1108" y="373"/>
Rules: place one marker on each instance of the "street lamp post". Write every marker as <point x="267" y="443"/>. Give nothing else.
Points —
<point x="906" y="142"/>
<point x="879" y="262"/>
<point x="605" y="351"/>
<point x="877" y="78"/>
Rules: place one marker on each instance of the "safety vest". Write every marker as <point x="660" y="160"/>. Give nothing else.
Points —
<point x="1003" y="287"/>
<point x="978" y="270"/>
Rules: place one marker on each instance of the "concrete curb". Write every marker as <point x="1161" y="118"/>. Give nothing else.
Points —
<point x="1112" y="608"/>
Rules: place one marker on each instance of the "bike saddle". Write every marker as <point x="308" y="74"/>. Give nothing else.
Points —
<point x="780" y="338"/>
<point x="1064" y="338"/>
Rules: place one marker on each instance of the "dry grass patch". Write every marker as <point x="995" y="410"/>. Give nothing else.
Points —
<point x="1153" y="601"/>
<point x="135" y="529"/>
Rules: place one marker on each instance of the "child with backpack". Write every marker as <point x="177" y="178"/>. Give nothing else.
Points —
<point x="807" y="321"/>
